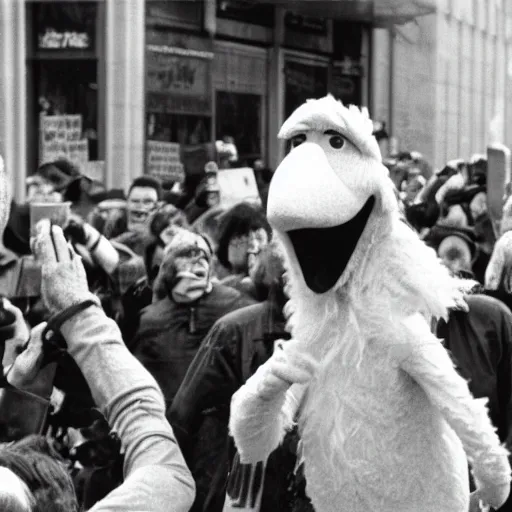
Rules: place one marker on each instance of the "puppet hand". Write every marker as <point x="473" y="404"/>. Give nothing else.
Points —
<point x="475" y="504"/>
<point x="499" y="269"/>
<point x="289" y="364"/>
<point x="491" y="495"/>
<point x="64" y="282"/>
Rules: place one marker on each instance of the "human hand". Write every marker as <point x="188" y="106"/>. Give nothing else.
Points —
<point x="289" y="364"/>
<point x="64" y="282"/>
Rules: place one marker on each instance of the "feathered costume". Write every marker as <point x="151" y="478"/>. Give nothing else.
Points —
<point x="385" y="420"/>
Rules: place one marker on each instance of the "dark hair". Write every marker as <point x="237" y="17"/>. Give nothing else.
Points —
<point x="238" y="221"/>
<point x="148" y="182"/>
<point x="39" y="466"/>
<point x="65" y="177"/>
<point x="165" y="216"/>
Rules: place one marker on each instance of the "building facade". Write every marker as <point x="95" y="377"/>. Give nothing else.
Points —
<point x="150" y="85"/>
<point x="445" y="80"/>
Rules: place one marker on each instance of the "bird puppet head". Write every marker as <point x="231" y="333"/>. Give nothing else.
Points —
<point x="325" y="192"/>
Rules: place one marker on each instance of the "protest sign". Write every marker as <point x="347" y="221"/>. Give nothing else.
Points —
<point x="163" y="161"/>
<point x="237" y="185"/>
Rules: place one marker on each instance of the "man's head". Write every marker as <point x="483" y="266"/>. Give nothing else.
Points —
<point x="143" y="197"/>
<point x="185" y="272"/>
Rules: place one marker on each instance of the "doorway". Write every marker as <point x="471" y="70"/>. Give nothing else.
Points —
<point x="239" y="116"/>
<point x="240" y="84"/>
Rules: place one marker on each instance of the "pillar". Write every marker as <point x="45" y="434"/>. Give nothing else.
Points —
<point x="13" y="140"/>
<point x="276" y="92"/>
<point x="125" y="108"/>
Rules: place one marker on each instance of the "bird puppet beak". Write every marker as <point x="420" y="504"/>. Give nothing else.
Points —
<point x="305" y="192"/>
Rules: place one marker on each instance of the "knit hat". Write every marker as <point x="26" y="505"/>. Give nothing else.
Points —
<point x="184" y="243"/>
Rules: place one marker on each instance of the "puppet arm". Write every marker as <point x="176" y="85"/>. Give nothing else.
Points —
<point x="265" y="407"/>
<point x="429" y="364"/>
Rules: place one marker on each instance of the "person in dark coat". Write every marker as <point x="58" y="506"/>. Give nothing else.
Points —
<point x="480" y="342"/>
<point x="232" y="351"/>
<point x="185" y="306"/>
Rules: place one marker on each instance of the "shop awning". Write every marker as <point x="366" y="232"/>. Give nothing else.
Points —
<point x="376" y="12"/>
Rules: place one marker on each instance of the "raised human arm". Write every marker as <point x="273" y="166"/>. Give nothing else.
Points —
<point x="156" y="476"/>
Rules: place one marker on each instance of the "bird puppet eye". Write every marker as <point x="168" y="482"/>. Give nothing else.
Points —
<point x="298" y="140"/>
<point x="336" y="141"/>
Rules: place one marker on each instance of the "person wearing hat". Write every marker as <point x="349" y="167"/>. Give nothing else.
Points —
<point x="186" y="304"/>
<point x="61" y="180"/>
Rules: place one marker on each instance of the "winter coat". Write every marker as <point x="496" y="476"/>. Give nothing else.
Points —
<point x="169" y="334"/>
<point x="232" y="351"/>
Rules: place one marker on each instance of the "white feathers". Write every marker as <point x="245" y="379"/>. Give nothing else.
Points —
<point x="330" y="114"/>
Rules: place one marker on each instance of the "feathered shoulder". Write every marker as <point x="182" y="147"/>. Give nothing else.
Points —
<point x="404" y="275"/>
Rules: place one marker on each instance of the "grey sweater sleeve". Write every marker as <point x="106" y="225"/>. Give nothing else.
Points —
<point x="156" y="475"/>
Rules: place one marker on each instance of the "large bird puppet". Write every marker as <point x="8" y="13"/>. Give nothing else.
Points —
<point x="386" y="422"/>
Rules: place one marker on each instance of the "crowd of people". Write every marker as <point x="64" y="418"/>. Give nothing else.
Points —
<point x="120" y="365"/>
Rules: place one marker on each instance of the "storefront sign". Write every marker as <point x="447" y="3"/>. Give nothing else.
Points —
<point x="163" y="161"/>
<point x="305" y="24"/>
<point x="53" y="40"/>
<point x="181" y="81"/>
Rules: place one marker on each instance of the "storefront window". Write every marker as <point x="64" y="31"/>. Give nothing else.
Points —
<point x="303" y="81"/>
<point x="239" y="116"/>
<point x="183" y="129"/>
<point x="63" y="81"/>
<point x="178" y="111"/>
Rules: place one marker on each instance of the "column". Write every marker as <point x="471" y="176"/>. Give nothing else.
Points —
<point x="13" y="143"/>
<point x="125" y="60"/>
<point x="276" y="92"/>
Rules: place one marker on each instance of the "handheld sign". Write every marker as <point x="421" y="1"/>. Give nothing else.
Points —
<point x="498" y="177"/>
<point x="237" y="185"/>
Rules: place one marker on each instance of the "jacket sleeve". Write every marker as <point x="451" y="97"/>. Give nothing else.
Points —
<point x="429" y="364"/>
<point x="156" y="476"/>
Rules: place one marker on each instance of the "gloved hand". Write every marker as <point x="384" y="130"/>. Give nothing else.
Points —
<point x="64" y="282"/>
<point x="499" y="269"/>
<point x="289" y="364"/>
